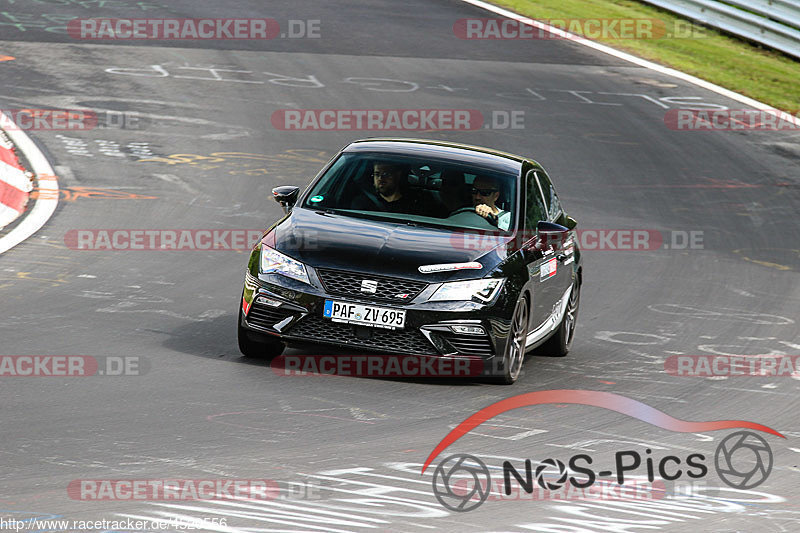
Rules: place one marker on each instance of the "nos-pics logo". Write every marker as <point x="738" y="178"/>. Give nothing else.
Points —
<point x="743" y="460"/>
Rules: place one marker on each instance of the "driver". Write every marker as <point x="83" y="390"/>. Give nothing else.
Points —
<point x="485" y="192"/>
<point x="389" y="181"/>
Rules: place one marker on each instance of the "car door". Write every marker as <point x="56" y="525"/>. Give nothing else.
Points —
<point x="535" y="260"/>
<point x="558" y="264"/>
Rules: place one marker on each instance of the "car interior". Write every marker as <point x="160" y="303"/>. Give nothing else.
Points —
<point x="427" y="184"/>
<point x="439" y="190"/>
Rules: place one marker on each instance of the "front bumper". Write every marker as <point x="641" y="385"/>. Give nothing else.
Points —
<point x="292" y="310"/>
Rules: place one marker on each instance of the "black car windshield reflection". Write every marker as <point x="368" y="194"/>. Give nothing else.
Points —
<point x="427" y="192"/>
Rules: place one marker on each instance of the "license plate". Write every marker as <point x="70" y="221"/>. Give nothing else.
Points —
<point x="364" y="315"/>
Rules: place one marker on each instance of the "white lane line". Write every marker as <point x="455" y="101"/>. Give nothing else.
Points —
<point x="45" y="204"/>
<point x="637" y="61"/>
<point x="398" y="478"/>
<point x="285" y="509"/>
<point x="374" y="488"/>
<point x="183" y="518"/>
<point x="302" y="506"/>
<point x="325" y="522"/>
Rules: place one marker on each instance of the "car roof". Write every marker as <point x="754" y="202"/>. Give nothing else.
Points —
<point x="486" y="157"/>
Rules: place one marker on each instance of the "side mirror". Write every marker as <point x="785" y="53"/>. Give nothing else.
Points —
<point x="550" y="234"/>
<point x="286" y="195"/>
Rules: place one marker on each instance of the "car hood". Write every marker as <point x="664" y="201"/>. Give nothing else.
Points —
<point x="326" y="240"/>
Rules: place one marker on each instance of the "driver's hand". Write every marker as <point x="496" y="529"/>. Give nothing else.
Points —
<point x="483" y="210"/>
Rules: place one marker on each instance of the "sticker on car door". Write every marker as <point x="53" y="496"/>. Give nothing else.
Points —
<point x="548" y="269"/>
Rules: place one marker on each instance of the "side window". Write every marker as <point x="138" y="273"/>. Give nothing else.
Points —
<point x="550" y="197"/>
<point x="534" y="208"/>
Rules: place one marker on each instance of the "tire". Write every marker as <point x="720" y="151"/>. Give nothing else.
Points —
<point x="560" y="343"/>
<point x="265" y="347"/>
<point x="510" y="366"/>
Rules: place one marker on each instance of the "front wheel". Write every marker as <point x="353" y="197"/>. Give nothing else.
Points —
<point x="265" y="347"/>
<point x="514" y="356"/>
<point x="560" y="343"/>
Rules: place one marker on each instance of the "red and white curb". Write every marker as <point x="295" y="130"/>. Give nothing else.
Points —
<point x="16" y="186"/>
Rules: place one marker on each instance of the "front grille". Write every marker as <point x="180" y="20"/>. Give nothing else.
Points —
<point x="318" y="329"/>
<point x="470" y="344"/>
<point x="349" y="284"/>
<point x="265" y="317"/>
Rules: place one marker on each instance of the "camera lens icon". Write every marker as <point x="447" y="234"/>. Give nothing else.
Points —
<point x="547" y="466"/>
<point x="461" y="482"/>
<point x="743" y="460"/>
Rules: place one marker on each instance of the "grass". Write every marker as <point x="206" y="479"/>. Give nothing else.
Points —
<point x="766" y="75"/>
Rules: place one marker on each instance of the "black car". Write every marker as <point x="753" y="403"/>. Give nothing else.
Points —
<point x="421" y="247"/>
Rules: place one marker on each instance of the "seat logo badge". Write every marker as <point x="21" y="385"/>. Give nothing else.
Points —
<point x="370" y="286"/>
<point x="402" y="295"/>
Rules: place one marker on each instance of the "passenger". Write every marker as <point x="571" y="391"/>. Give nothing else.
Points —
<point x="390" y="182"/>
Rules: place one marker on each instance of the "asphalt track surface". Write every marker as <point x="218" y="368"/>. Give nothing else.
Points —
<point x="201" y="411"/>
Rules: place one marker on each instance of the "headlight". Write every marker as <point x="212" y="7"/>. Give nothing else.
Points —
<point x="476" y="290"/>
<point x="274" y="262"/>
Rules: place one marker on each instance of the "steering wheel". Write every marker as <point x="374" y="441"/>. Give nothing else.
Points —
<point x="491" y="220"/>
<point x="462" y="210"/>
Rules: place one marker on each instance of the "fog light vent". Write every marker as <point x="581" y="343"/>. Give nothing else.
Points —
<point x="468" y="330"/>
<point x="269" y="302"/>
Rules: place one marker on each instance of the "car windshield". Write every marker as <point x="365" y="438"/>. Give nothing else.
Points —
<point x="425" y="191"/>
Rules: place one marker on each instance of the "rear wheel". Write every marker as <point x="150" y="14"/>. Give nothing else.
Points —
<point x="560" y="343"/>
<point x="510" y="366"/>
<point x="264" y="347"/>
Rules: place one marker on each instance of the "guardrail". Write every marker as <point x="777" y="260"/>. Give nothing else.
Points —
<point x="774" y="23"/>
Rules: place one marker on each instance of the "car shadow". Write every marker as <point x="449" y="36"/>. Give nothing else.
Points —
<point x="216" y="339"/>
